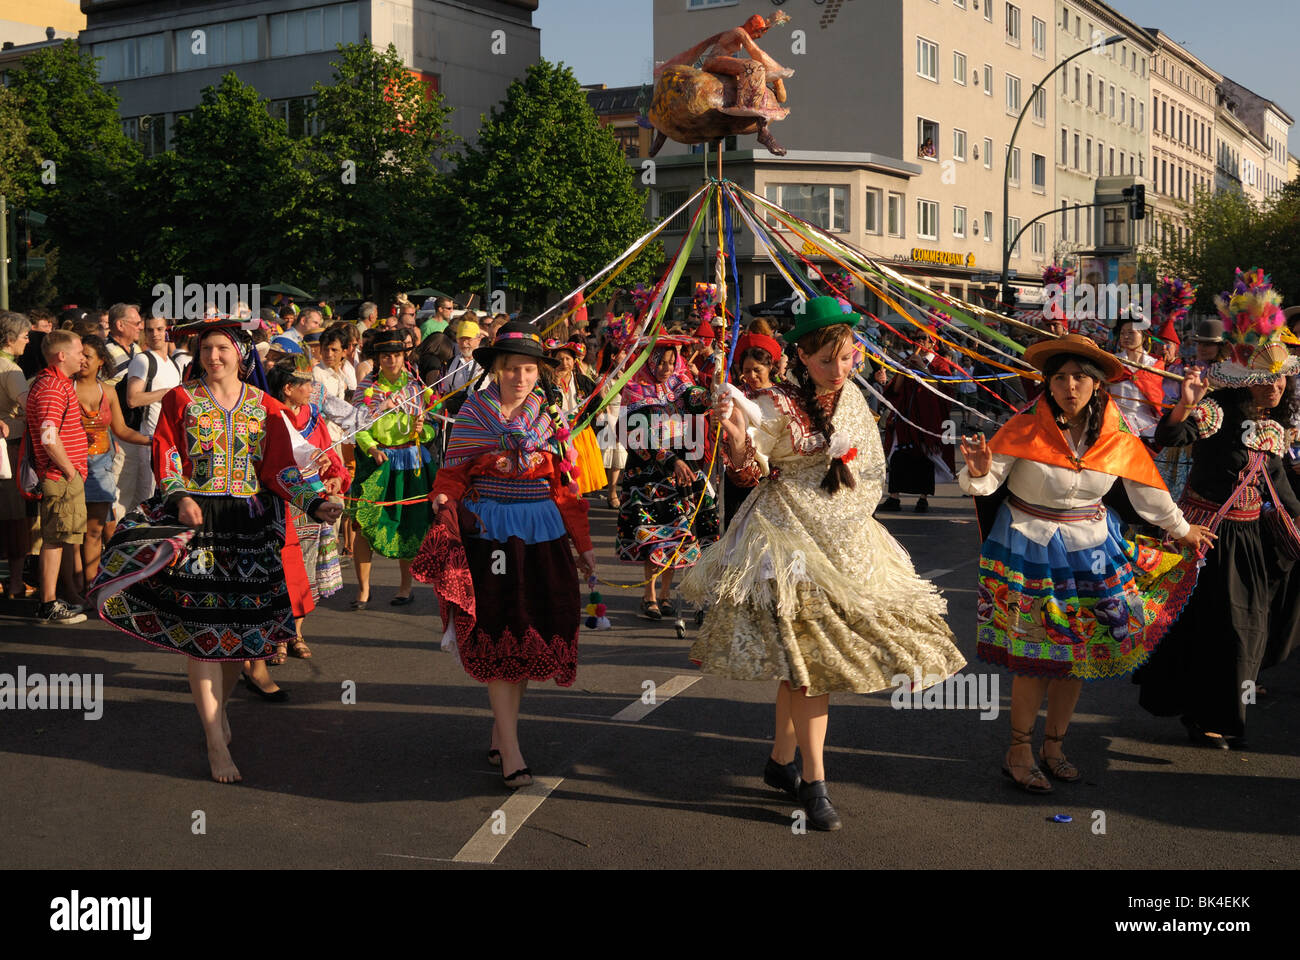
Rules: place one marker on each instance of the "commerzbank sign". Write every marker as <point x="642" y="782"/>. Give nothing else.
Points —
<point x="942" y="258"/>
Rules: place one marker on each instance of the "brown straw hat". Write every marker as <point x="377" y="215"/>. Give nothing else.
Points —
<point x="1075" y="344"/>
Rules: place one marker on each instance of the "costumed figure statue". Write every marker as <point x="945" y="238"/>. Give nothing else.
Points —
<point x="725" y="95"/>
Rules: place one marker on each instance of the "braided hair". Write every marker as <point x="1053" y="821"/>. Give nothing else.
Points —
<point x="812" y="343"/>
<point x="1096" y="408"/>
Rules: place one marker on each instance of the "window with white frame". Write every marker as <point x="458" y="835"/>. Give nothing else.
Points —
<point x="927" y="219"/>
<point x="1123" y="113"/>
<point x="1141" y="121"/>
<point x="988" y="153"/>
<point x="1076" y="151"/>
<point x="988" y="11"/>
<point x="1013" y="95"/>
<point x="130" y="58"/>
<point x="299" y="116"/>
<point x="959" y="145"/>
<point x="988" y="79"/>
<point x="315" y="29"/>
<point x="1040" y="38"/>
<point x="896" y="222"/>
<point x="927" y="58"/>
<point x="927" y="139"/>
<point x="1110" y="102"/>
<point x="871" y="211"/>
<point x="1090" y="90"/>
<point x="1039" y="230"/>
<point x="1013" y="25"/>
<point x="988" y="226"/>
<point x="1040" y="106"/>
<point x="959" y="68"/>
<point x="820" y="204"/>
<point x="1087" y="156"/>
<point x="959" y="222"/>
<point x="216" y="44"/>
<point x="1039" y="172"/>
<point x="1013" y="228"/>
<point x="1063" y="158"/>
<point x="1015" y="167"/>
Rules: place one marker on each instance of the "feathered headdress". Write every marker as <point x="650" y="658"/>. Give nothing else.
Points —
<point x="1174" y="298"/>
<point x="1054" y="273"/>
<point x="705" y="301"/>
<point x="1252" y="316"/>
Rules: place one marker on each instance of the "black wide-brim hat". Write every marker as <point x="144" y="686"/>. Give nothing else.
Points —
<point x="518" y="337"/>
<point x="389" y="341"/>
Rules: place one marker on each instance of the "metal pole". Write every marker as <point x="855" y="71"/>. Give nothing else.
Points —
<point x="4" y="254"/>
<point x="1007" y="300"/>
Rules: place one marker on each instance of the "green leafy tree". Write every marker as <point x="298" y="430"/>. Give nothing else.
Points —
<point x="72" y="121"/>
<point x="235" y="203"/>
<point x="375" y="161"/>
<point x="17" y="157"/>
<point x="546" y="191"/>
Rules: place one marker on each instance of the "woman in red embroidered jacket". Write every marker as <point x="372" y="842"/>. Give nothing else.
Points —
<point x="196" y="568"/>
<point x="499" y="555"/>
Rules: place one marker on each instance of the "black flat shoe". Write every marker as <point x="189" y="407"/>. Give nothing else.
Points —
<point x="360" y="604"/>
<point x="1202" y="739"/>
<point x="402" y="601"/>
<point x="494" y="758"/>
<point x="280" y="696"/>
<point x="923" y="505"/>
<point x="783" y="776"/>
<point x="821" y="815"/>
<point x="890" y="505"/>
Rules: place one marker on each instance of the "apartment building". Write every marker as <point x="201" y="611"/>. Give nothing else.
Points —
<point x="1101" y="123"/>
<point x="27" y="21"/>
<point x="1184" y="102"/>
<point x="901" y="115"/>
<point x="1239" y="154"/>
<point x="150" y="50"/>
<point x="1271" y="124"/>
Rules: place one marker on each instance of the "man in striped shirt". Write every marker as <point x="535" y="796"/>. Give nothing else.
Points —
<point x="59" y="449"/>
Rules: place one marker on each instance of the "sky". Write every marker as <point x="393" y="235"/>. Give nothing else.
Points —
<point x="1256" y="45"/>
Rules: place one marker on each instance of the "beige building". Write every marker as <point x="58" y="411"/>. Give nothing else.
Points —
<point x="1183" y="110"/>
<point x="1292" y="167"/>
<point x="1271" y="124"/>
<point x="901" y="115"/>
<point x="29" y="21"/>
<point x="1101" y="124"/>
<point x="1239" y="154"/>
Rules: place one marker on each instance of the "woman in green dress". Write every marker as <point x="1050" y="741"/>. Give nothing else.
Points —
<point x="393" y="465"/>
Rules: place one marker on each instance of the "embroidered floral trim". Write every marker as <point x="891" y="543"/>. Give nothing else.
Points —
<point x="1267" y="437"/>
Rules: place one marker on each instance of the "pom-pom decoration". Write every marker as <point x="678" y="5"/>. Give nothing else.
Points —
<point x="591" y="623"/>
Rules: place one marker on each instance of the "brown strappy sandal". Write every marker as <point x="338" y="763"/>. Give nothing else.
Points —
<point x="1060" y="768"/>
<point x="1035" y="782"/>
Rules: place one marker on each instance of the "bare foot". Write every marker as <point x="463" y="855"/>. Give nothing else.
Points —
<point x="223" y="767"/>
<point x="225" y="725"/>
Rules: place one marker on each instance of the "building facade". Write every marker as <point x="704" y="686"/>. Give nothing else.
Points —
<point x="28" y="21"/>
<point x="901" y="114"/>
<point x="1184" y="94"/>
<point x="1239" y="154"/>
<point x="1271" y="124"/>
<point x="159" y="55"/>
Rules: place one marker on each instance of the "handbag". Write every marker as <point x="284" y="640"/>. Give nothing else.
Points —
<point x="1280" y="523"/>
<point x="6" y="471"/>
<point x="29" y="480"/>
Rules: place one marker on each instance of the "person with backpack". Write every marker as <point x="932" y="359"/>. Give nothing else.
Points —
<point x="149" y="376"/>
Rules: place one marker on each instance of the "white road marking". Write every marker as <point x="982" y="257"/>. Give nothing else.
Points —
<point x="663" y="692"/>
<point x="485" y="846"/>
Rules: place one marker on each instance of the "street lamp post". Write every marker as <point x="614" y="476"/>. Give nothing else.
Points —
<point x="1008" y="299"/>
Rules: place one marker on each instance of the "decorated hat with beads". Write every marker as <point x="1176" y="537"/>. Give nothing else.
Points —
<point x="1255" y="330"/>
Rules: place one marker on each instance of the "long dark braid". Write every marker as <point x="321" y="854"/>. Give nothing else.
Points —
<point x="839" y="473"/>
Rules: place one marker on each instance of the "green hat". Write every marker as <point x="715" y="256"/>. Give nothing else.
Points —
<point x="820" y="312"/>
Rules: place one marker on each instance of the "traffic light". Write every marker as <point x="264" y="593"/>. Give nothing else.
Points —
<point x="499" y="278"/>
<point x="24" y="221"/>
<point x="1136" y="196"/>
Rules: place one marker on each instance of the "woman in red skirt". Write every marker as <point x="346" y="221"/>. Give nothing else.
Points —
<point x="499" y="556"/>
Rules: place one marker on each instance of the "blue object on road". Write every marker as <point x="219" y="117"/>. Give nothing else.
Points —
<point x="1063" y="818"/>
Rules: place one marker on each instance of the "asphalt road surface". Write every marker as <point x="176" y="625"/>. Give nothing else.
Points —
<point x="399" y="779"/>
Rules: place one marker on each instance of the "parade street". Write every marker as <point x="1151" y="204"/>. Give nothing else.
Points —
<point x="399" y="779"/>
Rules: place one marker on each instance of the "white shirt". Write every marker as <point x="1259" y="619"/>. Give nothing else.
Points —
<point x="1063" y="488"/>
<point x="1133" y="403"/>
<point x="165" y="376"/>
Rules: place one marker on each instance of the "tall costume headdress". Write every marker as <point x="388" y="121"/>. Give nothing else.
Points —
<point x="1255" y="330"/>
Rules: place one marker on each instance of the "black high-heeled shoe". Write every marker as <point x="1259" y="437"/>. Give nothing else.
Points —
<point x="280" y="696"/>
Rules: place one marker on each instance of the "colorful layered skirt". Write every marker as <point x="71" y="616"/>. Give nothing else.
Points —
<point x="659" y="521"/>
<point x="215" y="593"/>
<point x="591" y="463"/>
<point x="508" y="584"/>
<point x="1098" y="612"/>
<point x="392" y="528"/>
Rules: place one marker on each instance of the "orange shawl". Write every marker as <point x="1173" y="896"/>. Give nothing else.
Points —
<point x="1034" y="435"/>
